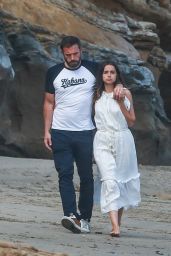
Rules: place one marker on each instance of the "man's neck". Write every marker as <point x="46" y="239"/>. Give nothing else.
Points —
<point x="72" y="68"/>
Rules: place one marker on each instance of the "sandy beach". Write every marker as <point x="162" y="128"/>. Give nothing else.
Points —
<point x="31" y="211"/>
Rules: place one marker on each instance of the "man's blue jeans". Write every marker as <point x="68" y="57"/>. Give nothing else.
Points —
<point x="70" y="146"/>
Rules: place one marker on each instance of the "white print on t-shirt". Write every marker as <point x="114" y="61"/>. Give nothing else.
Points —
<point x="72" y="82"/>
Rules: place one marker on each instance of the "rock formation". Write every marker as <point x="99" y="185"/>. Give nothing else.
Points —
<point x="135" y="34"/>
<point x="12" y="249"/>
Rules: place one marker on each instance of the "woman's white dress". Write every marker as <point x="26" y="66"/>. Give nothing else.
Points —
<point x="115" y="156"/>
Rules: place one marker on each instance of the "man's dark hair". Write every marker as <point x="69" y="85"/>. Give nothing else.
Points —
<point x="69" y="41"/>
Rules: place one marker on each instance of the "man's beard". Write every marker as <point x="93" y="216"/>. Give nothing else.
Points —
<point x="73" y="63"/>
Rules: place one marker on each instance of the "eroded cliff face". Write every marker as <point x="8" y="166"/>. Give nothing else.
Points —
<point x="129" y="32"/>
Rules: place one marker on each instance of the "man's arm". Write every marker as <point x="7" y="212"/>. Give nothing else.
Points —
<point x="48" y="108"/>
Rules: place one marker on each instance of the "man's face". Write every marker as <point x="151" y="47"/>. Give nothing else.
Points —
<point x="72" y="56"/>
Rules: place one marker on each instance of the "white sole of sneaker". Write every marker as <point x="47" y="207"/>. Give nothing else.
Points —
<point x="68" y="224"/>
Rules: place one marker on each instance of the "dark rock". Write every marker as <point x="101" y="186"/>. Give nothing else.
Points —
<point x="28" y="50"/>
<point x="6" y="70"/>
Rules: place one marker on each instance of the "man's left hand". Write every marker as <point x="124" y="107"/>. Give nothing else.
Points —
<point x="119" y="92"/>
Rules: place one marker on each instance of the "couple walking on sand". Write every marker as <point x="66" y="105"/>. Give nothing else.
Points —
<point x="74" y="90"/>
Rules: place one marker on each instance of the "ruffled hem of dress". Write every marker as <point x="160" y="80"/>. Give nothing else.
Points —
<point x="122" y="181"/>
<point x="115" y="195"/>
<point x="125" y="207"/>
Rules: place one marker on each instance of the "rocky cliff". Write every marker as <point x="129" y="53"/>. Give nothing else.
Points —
<point x="136" y="34"/>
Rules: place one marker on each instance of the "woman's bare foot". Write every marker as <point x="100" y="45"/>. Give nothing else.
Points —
<point x="114" y="234"/>
<point x="114" y="221"/>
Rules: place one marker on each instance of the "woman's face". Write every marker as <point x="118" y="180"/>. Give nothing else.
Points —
<point x="109" y="75"/>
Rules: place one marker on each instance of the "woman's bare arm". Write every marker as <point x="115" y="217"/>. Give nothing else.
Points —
<point x="128" y="113"/>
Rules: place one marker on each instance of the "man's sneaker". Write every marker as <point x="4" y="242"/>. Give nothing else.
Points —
<point x="85" y="226"/>
<point x="72" y="224"/>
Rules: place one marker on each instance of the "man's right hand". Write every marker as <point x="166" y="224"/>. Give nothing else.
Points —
<point x="48" y="141"/>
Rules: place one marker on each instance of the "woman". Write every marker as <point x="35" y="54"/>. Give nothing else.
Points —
<point x="114" y="148"/>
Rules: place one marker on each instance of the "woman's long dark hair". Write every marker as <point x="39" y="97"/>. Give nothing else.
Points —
<point x="99" y="84"/>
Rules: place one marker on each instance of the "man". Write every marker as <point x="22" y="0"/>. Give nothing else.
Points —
<point x="69" y="130"/>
